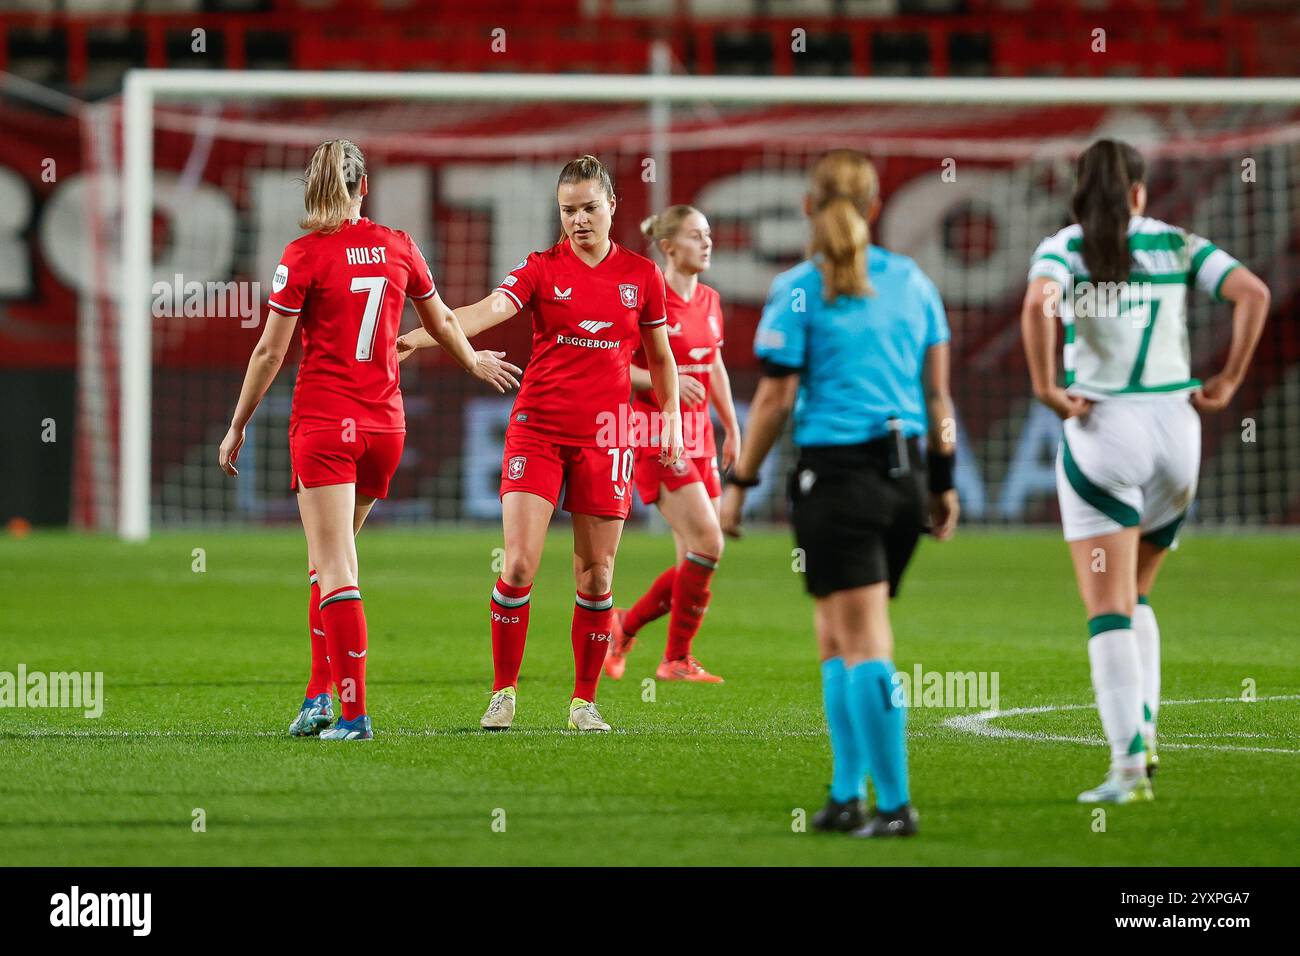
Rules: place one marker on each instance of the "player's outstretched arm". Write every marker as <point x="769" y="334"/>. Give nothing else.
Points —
<point x="265" y="362"/>
<point x="942" y="438"/>
<point x="441" y="325"/>
<point x="723" y="401"/>
<point x="483" y="314"/>
<point x="1250" y="301"/>
<point x="1038" y="328"/>
<point x="663" y="377"/>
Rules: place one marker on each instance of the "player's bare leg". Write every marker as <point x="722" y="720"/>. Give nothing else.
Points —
<point x="317" y="710"/>
<point x="330" y="519"/>
<point x="525" y="518"/>
<point x="595" y="543"/>
<point x="693" y="516"/>
<point x="1105" y="567"/>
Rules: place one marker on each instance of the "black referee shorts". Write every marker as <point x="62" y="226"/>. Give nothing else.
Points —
<point x="856" y="525"/>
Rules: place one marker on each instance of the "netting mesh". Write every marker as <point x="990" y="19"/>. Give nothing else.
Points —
<point x="968" y="192"/>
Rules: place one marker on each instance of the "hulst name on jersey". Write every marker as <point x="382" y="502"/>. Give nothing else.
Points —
<point x="366" y="255"/>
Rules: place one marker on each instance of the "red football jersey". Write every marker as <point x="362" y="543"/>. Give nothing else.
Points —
<point x="586" y="322"/>
<point x="349" y="288"/>
<point x="695" y="334"/>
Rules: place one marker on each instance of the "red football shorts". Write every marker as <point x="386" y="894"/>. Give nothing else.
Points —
<point x="596" y="481"/>
<point x="324" y="458"/>
<point x="650" y="475"/>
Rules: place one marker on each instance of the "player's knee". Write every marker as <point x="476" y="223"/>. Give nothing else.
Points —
<point x="335" y="571"/>
<point x="595" y="577"/>
<point x="518" y="572"/>
<point x="708" y="541"/>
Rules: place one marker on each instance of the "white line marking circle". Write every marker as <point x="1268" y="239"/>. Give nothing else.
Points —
<point x="981" y="725"/>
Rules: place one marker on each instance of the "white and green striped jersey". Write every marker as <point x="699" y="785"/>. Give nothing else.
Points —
<point x="1130" y="338"/>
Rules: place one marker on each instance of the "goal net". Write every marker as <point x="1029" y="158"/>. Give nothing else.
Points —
<point x="970" y="184"/>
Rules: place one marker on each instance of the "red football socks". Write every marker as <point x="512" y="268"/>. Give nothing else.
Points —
<point x="593" y="621"/>
<point x="344" y="620"/>
<point x="319" y="682"/>
<point x="654" y="604"/>
<point x="509" y="608"/>
<point x="690" y="601"/>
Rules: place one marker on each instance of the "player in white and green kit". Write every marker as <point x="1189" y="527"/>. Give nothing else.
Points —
<point x="1126" y="471"/>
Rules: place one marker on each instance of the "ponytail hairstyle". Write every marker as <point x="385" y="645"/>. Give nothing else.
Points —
<point x="843" y="186"/>
<point x="666" y="224"/>
<point x="1106" y="171"/>
<point x="584" y="168"/>
<point x="333" y="184"/>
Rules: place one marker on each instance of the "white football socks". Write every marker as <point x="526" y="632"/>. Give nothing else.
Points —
<point x="1117" y="682"/>
<point x="1148" y="644"/>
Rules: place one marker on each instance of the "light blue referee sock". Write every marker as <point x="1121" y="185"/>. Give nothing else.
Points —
<point x="847" y="779"/>
<point x="881" y="728"/>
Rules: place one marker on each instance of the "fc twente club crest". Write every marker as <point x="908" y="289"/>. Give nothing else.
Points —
<point x="627" y="292"/>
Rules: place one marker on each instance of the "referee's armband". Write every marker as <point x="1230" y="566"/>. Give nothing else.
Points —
<point x="775" y="370"/>
<point x="940" y="468"/>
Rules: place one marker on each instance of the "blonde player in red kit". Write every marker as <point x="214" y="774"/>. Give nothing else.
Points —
<point x="687" y="492"/>
<point x="347" y="280"/>
<point x="592" y="302"/>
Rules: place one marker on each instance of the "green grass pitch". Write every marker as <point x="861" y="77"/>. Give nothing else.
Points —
<point x="203" y="672"/>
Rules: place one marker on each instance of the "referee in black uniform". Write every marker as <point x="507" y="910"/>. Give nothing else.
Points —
<point x="855" y="339"/>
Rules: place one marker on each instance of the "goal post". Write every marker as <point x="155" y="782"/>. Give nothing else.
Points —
<point x="779" y="120"/>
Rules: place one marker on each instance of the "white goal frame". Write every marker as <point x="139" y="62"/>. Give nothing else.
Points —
<point x="144" y="88"/>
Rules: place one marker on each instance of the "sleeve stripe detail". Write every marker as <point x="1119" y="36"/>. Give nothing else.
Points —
<point x="511" y="294"/>
<point x="282" y="308"/>
<point x="1218" y="288"/>
<point x="1206" y="251"/>
<point x="432" y="290"/>
<point x="1049" y="270"/>
<point x="1053" y="257"/>
<point x="655" y="323"/>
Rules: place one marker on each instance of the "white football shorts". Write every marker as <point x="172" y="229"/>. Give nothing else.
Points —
<point x="1130" y="462"/>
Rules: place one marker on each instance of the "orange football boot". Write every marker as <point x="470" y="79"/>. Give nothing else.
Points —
<point x="688" y="668"/>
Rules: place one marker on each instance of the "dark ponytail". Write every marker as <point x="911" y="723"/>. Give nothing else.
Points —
<point x="1105" y="172"/>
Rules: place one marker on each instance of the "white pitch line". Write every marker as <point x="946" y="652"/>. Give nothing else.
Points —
<point x="51" y="733"/>
<point x="979" y="725"/>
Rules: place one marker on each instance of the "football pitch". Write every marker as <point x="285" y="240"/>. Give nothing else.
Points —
<point x="190" y="764"/>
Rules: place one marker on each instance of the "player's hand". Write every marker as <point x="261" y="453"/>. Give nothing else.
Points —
<point x="1214" y="395"/>
<point x="489" y="368"/>
<point x="404" y="348"/>
<point x="730" y="450"/>
<point x="729" y="511"/>
<point x="1063" y="403"/>
<point x="691" y="390"/>
<point x="670" y="440"/>
<point x="944" y="509"/>
<point x="230" y="446"/>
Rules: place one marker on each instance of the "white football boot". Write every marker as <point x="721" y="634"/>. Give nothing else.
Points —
<point x="584" y="716"/>
<point x="1120" y="786"/>
<point x="500" y="713"/>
